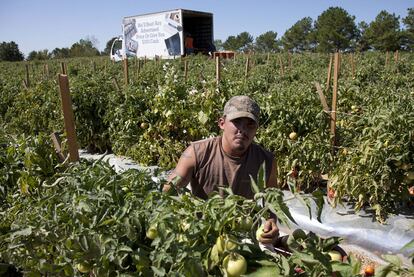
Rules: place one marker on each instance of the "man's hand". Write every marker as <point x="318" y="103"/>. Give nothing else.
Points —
<point x="270" y="232"/>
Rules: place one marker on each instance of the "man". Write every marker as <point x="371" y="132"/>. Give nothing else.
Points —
<point x="230" y="159"/>
<point x="189" y="44"/>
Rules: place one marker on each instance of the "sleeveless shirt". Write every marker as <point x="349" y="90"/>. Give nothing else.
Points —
<point x="214" y="168"/>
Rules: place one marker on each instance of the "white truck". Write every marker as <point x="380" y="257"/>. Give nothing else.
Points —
<point x="163" y="34"/>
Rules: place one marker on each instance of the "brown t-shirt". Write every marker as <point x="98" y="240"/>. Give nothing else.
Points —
<point x="215" y="168"/>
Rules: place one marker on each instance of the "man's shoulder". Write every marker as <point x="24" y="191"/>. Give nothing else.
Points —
<point x="206" y="141"/>
<point x="258" y="148"/>
<point x="205" y="149"/>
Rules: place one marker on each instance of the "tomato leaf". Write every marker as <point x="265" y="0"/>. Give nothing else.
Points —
<point x="263" y="271"/>
<point x="318" y="197"/>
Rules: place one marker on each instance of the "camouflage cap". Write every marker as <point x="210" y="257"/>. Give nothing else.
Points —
<point x="242" y="106"/>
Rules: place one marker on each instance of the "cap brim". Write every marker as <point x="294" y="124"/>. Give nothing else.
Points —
<point x="235" y="115"/>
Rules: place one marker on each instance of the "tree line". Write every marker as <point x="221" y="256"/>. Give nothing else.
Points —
<point x="334" y="30"/>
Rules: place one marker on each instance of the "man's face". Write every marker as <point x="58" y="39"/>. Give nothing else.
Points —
<point x="238" y="134"/>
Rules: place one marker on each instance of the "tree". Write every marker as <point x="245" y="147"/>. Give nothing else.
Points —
<point x="218" y="43"/>
<point x="39" y="55"/>
<point x="231" y="43"/>
<point x="408" y="33"/>
<point x="362" y="41"/>
<point x="246" y="41"/>
<point x="335" y="30"/>
<point x="108" y="46"/>
<point x="409" y="20"/>
<point x="61" y="53"/>
<point x="83" y="48"/>
<point x="9" y="51"/>
<point x="384" y="32"/>
<point x="242" y="42"/>
<point x="298" y="37"/>
<point x="267" y="42"/>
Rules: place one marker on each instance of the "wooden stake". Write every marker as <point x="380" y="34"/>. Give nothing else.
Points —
<point x="63" y="68"/>
<point x="328" y="79"/>
<point x="27" y="76"/>
<point x="68" y="117"/>
<point x="24" y="84"/>
<point x="322" y="97"/>
<point x="246" y="70"/>
<point x="352" y="66"/>
<point x="387" y="57"/>
<point x="290" y="59"/>
<point x="116" y="85"/>
<point x="217" y="69"/>
<point x="268" y="58"/>
<point x="126" y="71"/>
<point x="282" y="70"/>
<point x="139" y="66"/>
<point x="396" y="56"/>
<point x="334" y="102"/>
<point x="185" y="70"/>
<point x="46" y="70"/>
<point x="57" y="143"/>
<point x="157" y="60"/>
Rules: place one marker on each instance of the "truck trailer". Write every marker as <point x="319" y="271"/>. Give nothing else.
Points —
<point x="164" y="35"/>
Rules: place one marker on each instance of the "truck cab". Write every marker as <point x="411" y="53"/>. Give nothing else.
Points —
<point x="117" y="51"/>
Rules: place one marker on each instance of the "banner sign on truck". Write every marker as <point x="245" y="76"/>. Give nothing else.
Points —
<point x="154" y="34"/>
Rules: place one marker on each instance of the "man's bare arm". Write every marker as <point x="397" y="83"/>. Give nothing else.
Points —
<point x="183" y="170"/>
<point x="272" y="182"/>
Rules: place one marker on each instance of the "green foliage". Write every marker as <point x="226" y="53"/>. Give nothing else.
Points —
<point x="384" y="32"/>
<point x="335" y="30"/>
<point x="39" y="55"/>
<point x="9" y="51"/>
<point x="60" y="53"/>
<point x="84" y="216"/>
<point x="267" y="42"/>
<point x="154" y="118"/>
<point x="242" y="42"/>
<point x="218" y="43"/>
<point x="363" y="41"/>
<point x="83" y="48"/>
<point x="298" y="38"/>
<point x="408" y="33"/>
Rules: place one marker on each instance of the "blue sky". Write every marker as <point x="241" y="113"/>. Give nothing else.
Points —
<point x="47" y="24"/>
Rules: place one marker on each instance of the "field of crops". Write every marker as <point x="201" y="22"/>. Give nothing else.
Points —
<point x="65" y="219"/>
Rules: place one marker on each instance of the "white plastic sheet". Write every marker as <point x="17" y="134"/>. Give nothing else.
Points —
<point x="356" y="228"/>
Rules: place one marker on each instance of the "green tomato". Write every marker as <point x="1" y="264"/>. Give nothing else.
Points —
<point x="83" y="267"/>
<point x="225" y="242"/>
<point x="142" y="263"/>
<point x="410" y="175"/>
<point x="259" y="232"/>
<point x="247" y="223"/>
<point x="335" y="255"/>
<point x="292" y="244"/>
<point x="293" y="136"/>
<point x="299" y="234"/>
<point x="235" y="265"/>
<point x="152" y="233"/>
<point x="244" y="223"/>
